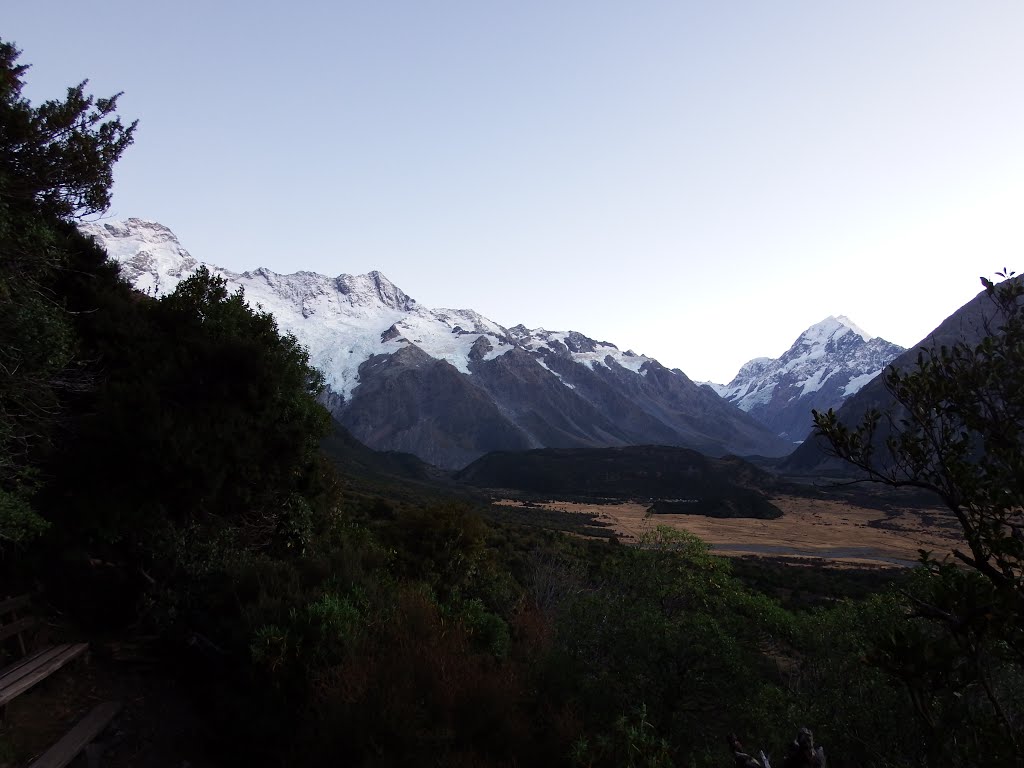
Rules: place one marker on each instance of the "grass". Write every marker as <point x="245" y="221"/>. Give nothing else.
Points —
<point x="820" y="529"/>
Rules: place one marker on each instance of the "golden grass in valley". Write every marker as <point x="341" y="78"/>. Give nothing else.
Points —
<point x="825" y="530"/>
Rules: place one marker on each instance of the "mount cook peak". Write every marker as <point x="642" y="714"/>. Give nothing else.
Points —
<point x="828" y="363"/>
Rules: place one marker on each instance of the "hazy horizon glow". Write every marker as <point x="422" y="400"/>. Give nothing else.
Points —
<point x="697" y="182"/>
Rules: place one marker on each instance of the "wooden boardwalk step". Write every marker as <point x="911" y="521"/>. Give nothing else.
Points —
<point x="23" y="674"/>
<point x="79" y="737"/>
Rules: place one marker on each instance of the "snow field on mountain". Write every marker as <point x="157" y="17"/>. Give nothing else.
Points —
<point x="341" y="320"/>
<point x="857" y="383"/>
<point x="602" y="350"/>
<point x="542" y="364"/>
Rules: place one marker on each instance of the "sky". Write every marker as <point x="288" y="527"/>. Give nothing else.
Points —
<point x="696" y="181"/>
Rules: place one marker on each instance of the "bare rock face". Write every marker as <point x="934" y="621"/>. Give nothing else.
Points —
<point x="410" y="402"/>
<point x="480" y="349"/>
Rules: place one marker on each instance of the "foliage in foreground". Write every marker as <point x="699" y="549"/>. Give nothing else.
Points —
<point x="532" y="649"/>
<point x="957" y="429"/>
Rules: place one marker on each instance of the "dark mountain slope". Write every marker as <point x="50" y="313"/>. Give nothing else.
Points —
<point x="410" y="402"/>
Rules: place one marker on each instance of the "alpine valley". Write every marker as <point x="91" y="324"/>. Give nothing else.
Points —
<point x="450" y="385"/>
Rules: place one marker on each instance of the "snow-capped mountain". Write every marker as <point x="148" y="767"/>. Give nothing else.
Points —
<point x="828" y="363"/>
<point x="970" y="324"/>
<point x="448" y="384"/>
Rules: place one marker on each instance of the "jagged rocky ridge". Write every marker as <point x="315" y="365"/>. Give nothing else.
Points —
<point x="449" y="385"/>
<point x="828" y="363"/>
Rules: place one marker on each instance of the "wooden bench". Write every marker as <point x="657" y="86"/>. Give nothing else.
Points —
<point x="32" y="667"/>
<point x="36" y="667"/>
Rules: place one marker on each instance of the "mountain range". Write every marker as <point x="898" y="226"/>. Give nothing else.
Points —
<point x="450" y="385"/>
<point x="829" y="362"/>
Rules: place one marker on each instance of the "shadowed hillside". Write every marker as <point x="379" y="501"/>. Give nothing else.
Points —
<point x="728" y="486"/>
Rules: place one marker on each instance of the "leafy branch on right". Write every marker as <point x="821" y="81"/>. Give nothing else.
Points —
<point x="956" y="428"/>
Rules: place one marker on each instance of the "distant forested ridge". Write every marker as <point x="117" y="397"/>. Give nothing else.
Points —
<point x="727" y="487"/>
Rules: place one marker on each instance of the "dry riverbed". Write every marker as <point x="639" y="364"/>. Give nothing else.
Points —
<point x="835" y="531"/>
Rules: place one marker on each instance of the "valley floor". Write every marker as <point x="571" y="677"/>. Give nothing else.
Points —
<point x="836" y="531"/>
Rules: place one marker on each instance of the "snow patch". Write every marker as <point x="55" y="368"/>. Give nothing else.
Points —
<point x="857" y="383"/>
<point x="814" y="382"/>
<point x="593" y="359"/>
<point x="557" y="375"/>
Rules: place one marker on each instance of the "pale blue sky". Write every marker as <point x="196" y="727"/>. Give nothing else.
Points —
<point x="696" y="181"/>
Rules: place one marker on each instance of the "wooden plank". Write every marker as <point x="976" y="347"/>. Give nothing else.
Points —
<point x="16" y="627"/>
<point x="79" y="737"/>
<point x="12" y="681"/>
<point x="21" y="677"/>
<point x="14" y="603"/>
<point x="8" y="673"/>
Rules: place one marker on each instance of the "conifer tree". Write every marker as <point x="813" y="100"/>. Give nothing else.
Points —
<point x="56" y="165"/>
